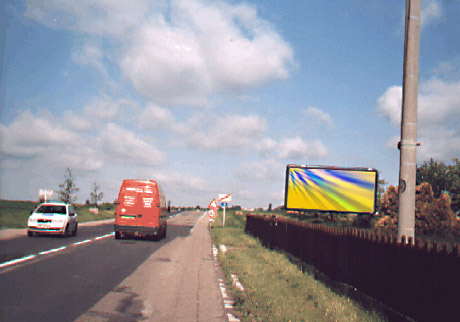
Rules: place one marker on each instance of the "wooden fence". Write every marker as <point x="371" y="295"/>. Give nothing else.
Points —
<point x="420" y="281"/>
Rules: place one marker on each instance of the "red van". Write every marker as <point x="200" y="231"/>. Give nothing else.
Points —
<point x="141" y="210"/>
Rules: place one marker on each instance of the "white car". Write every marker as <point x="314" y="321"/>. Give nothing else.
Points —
<point x="54" y="218"/>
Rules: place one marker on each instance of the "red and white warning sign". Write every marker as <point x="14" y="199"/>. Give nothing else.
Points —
<point x="212" y="213"/>
<point x="213" y="204"/>
<point x="224" y="197"/>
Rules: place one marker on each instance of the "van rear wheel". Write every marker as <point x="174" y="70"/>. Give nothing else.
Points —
<point x="117" y="235"/>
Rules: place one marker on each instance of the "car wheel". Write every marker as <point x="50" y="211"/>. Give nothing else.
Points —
<point x="74" y="233"/>
<point x="117" y="235"/>
<point x="66" y="232"/>
<point x="30" y="234"/>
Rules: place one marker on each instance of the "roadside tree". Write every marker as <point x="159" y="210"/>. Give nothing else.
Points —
<point x="433" y="216"/>
<point x="68" y="189"/>
<point x="443" y="179"/>
<point x="96" y="196"/>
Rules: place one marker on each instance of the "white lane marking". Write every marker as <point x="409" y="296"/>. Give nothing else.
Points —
<point x="52" y="250"/>
<point x="105" y="236"/>
<point x="83" y="242"/>
<point x="179" y="213"/>
<point x="16" y="261"/>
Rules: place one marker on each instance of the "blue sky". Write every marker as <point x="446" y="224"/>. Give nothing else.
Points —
<point x="212" y="97"/>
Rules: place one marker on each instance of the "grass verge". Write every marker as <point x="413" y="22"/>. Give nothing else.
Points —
<point x="14" y="214"/>
<point x="275" y="288"/>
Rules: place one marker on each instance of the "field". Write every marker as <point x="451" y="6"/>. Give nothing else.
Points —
<point x="275" y="288"/>
<point x="14" y="214"/>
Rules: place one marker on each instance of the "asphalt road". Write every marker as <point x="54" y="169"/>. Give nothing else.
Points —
<point x="93" y="277"/>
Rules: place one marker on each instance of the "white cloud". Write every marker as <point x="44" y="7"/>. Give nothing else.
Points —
<point x="296" y="148"/>
<point x="266" y="146"/>
<point x="47" y="140"/>
<point x="95" y="17"/>
<point x="104" y="108"/>
<point x="154" y="116"/>
<point x="31" y="135"/>
<point x="430" y="13"/>
<point x="438" y="117"/>
<point x="318" y="115"/>
<point x="233" y="132"/>
<point x="176" y="181"/>
<point x="243" y="134"/>
<point x="182" y="53"/>
<point x="90" y="54"/>
<point x="62" y="143"/>
<point x="121" y="145"/>
<point x="264" y="170"/>
<point x="448" y="70"/>
<point x="389" y="105"/>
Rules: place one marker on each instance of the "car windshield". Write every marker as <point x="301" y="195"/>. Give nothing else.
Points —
<point x="51" y="210"/>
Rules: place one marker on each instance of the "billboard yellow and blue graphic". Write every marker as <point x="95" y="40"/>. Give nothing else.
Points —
<point x="332" y="189"/>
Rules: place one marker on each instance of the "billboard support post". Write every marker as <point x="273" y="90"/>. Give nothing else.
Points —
<point x="408" y="144"/>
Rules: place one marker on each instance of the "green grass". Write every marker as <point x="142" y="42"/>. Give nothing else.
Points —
<point x="14" y="214"/>
<point x="275" y="288"/>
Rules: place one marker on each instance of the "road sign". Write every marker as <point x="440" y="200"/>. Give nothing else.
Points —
<point x="224" y="204"/>
<point x="212" y="213"/>
<point x="213" y="204"/>
<point x="225" y="197"/>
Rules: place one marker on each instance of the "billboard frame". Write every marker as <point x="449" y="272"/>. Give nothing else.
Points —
<point x="358" y="169"/>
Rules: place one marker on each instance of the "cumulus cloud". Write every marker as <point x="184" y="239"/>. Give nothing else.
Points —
<point x="389" y="105"/>
<point x="232" y="132"/>
<point x="90" y="54"/>
<point x="181" y="53"/>
<point x="53" y="141"/>
<point x="264" y="170"/>
<point x="244" y="133"/>
<point x="429" y="13"/>
<point x="124" y="146"/>
<point x="297" y="148"/>
<point x="94" y="17"/>
<point x="177" y="181"/>
<point x="438" y="117"/>
<point x="47" y="139"/>
<point x="448" y="70"/>
<point x="30" y="135"/>
<point x="319" y="116"/>
<point x="154" y="116"/>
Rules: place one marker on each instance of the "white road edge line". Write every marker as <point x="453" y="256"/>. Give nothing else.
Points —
<point x="105" y="236"/>
<point x="52" y="250"/>
<point x="15" y="261"/>
<point x="83" y="242"/>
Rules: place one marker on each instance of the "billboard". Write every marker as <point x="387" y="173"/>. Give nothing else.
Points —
<point x="331" y="189"/>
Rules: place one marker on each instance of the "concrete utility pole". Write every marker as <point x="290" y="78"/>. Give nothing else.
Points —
<point x="408" y="144"/>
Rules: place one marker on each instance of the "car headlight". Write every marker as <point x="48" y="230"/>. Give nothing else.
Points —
<point x="59" y="221"/>
<point x="32" y="221"/>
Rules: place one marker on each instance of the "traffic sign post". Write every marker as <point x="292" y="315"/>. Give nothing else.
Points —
<point x="224" y="198"/>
